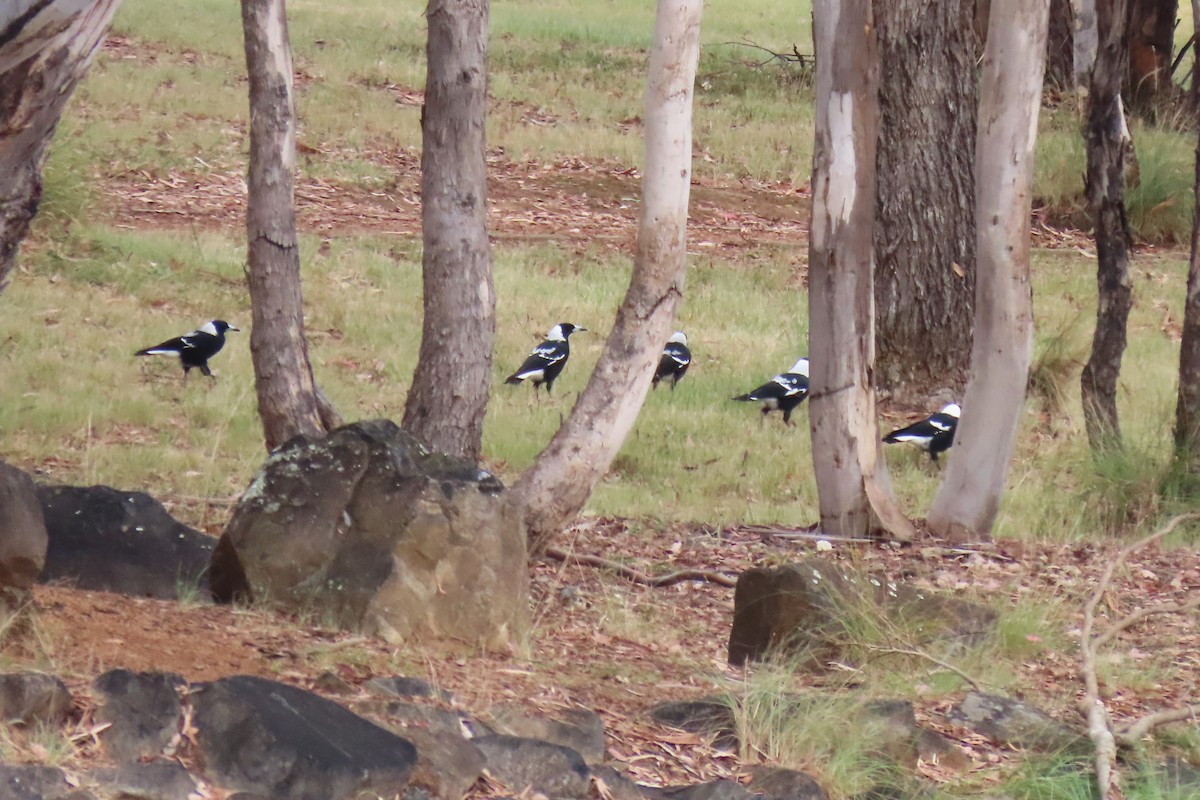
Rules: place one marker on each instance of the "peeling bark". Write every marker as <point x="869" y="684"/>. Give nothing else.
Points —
<point x="968" y="499"/>
<point x="853" y="486"/>
<point x="1187" y="407"/>
<point x="448" y="398"/>
<point x="46" y="47"/>
<point x="287" y="396"/>
<point x="555" y="488"/>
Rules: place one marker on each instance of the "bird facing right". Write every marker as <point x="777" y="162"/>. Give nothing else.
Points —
<point x="934" y="434"/>
<point x="547" y="360"/>
<point x="195" y="348"/>
<point x="783" y="392"/>
<point x="676" y="358"/>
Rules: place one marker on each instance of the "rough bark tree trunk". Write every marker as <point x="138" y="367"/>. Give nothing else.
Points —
<point x="287" y="397"/>
<point x="1060" y="46"/>
<point x="968" y="499"/>
<point x="1187" y="408"/>
<point x="448" y="398"/>
<point x="924" y="234"/>
<point x="554" y="489"/>
<point x="1108" y="147"/>
<point x="1151" y="45"/>
<point x="45" y="49"/>
<point x="853" y="487"/>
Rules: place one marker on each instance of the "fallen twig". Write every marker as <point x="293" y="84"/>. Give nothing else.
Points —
<point x="637" y="576"/>
<point x="903" y="651"/>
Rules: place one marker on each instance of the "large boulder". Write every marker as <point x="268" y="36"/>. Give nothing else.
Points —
<point x="23" y="538"/>
<point x="382" y="536"/>
<point x="105" y="539"/>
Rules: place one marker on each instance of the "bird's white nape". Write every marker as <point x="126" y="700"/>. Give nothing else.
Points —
<point x="678" y="337"/>
<point x="800" y="367"/>
<point x="953" y="409"/>
<point x="208" y="328"/>
<point x="556" y="334"/>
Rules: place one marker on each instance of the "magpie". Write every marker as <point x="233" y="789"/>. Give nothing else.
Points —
<point x="934" y="434"/>
<point x="676" y="358"/>
<point x="783" y="392"/>
<point x="194" y="349"/>
<point x="547" y="360"/>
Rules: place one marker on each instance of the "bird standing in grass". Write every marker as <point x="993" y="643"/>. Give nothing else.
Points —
<point x="783" y="392"/>
<point x="676" y="358"/>
<point x="194" y="349"/>
<point x="934" y="434"/>
<point x="547" y="359"/>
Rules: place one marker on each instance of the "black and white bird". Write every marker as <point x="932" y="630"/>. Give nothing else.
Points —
<point x="547" y="359"/>
<point x="934" y="434"/>
<point x="194" y="349"/>
<point x="676" y="358"/>
<point x="783" y="392"/>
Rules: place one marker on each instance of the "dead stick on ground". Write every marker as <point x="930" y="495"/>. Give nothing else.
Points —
<point x="902" y="651"/>
<point x="629" y="573"/>
<point x="1100" y="729"/>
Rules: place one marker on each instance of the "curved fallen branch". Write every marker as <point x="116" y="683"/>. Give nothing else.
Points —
<point x="639" y="577"/>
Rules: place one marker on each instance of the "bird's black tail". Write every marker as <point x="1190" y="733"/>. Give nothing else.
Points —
<point x="514" y="379"/>
<point x="743" y="398"/>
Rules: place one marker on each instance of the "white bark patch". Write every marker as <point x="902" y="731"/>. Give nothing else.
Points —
<point x="843" y="169"/>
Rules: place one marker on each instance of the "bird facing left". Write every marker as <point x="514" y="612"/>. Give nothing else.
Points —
<point x="194" y="349"/>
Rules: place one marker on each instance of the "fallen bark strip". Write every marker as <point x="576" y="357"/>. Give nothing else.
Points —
<point x="637" y="576"/>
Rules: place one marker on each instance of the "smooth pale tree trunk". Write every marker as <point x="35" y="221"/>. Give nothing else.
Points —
<point x="287" y="397"/>
<point x="449" y="393"/>
<point x="968" y="499"/>
<point x="1108" y="148"/>
<point x="555" y="488"/>
<point x="925" y="213"/>
<point x="1187" y="408"/>
<point x="853" y="487"/>
<point x="1087" y="40"/>
<point x="46" y="47"/>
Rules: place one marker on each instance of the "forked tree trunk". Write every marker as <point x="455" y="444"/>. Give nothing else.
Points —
<point x="968" y="499"/>
<point x="924" y="228"/>
<point x="1187" y="409"/>
<point x="449" y="393"/>
<point x="853" y="487"/>
<point x="45" y="49"/>
<point x="287" y="397"/>
<point x="555" y="488"/>
<point x="1108" y="147"/>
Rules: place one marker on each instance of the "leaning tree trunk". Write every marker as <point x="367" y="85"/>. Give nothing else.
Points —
<point x="288" y="401"/>
<point x="968" y="499"/>
<point x="924" y="236"/>
<point x="554" y="489"/>
<point x="45" y="49"/>
<point x="1108" y="146"/>
<point x="449" y="393"/>
<point x="853" y="488"/>
<point x="1187" y="408"/>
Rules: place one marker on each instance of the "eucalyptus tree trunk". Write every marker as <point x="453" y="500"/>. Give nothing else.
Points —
<point x="1187" y="408"/>
<point x="968" y="499"/>
<point x="1151" y="45"/>
<point x="1060" y="46"/>
<point x="1087" y="40"/>
<point x="46" y="47"/>
<point x="287" y="396"/>
<point x="924" y="231"/>
<point x="853" y="487"/>
<point x="448" y="398"/>
<point x="1108" y="148"/>
<point x="553" y="490"/>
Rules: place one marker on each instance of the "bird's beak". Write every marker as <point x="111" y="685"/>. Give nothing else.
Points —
<point x="234" y="328"/>
<point x="581" y="330"/>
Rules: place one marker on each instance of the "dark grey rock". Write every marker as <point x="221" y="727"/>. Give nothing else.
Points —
<point x="23" y="538"/>
<point x="261" y="736"/>
<point x="1178" y="776"/>
<point x="143" y="709"/>
<point x="447" y="764"/>
<point x="124" y="542"/>
<point x="386" y="537"/>
<point x="33" y="783"/>
<point x="713" y="790"/>
<point x="778" y="783"/>
<point x="29" y="697"/>
<point x="618" y="785"/>
<point x="707" y="717"/>
<point x="400" y="686"/>
<point x="157" y="780"/>
<point x="522" y="764"/>
<point x="1015" y="723"/>
<point x="580" y="729"/>
<point x="400" y="717"/>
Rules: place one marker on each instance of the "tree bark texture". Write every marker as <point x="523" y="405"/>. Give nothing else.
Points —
<point x="46" y="47"/>
<point x="968" y="498"/>
<point x="1060" y="46"/>
<point x="1108" y="147"/>
<point x="924" y="235"/>
<point x="448" y="398"/>
<point x="287" y="397"/>
<point x="1087" y="40"/>
<point x="1151" y="46"/>
<point x="555" y="488"/>
<point x="853" y="487"/>
<point x="1187" y="407"/>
